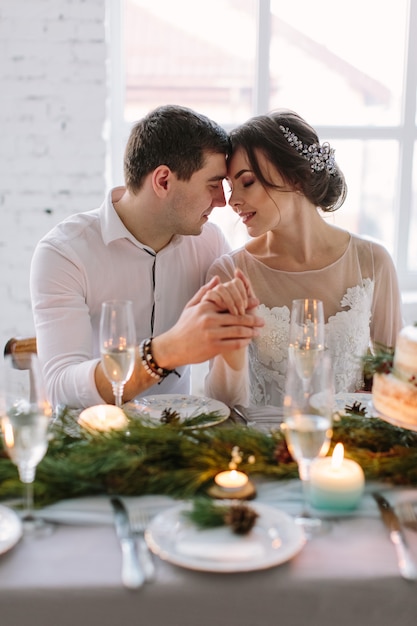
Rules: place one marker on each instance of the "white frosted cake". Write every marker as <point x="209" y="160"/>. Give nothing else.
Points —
<point x="394" y="395"/>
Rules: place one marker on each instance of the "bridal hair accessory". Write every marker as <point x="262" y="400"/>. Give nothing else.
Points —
<point x="320" y="156"/>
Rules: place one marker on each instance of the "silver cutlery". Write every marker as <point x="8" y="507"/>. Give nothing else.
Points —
<point x="408" y="514"/>
<point x="133" y="575"/>
<point x="139" y="520"/>
<point x="408" y="568"/>
<point x="242" y="414"/>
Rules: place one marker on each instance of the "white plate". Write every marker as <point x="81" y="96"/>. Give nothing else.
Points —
<point x="274" y="539"/>
<point x="343" y="399"/>
<point x="10" y="528"/>
<point x="187" y="407"/>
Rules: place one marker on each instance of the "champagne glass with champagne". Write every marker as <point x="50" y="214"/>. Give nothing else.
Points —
<point x="117" y="344"/>
<point x="307" y="425"/>
<point x="25" y="420"/>
<point x="306" y="336"/>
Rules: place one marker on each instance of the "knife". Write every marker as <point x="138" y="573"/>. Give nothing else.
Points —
<point x="406" y="564"/>
<point x="132" y="573"/>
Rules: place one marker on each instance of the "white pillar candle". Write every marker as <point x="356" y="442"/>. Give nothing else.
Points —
<point x="335" y="482"/>
<point x="103" y="417"/>
<point x="231" y="479"/>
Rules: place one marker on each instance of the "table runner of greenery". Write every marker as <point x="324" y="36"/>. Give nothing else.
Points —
<point x="174" y="460"/>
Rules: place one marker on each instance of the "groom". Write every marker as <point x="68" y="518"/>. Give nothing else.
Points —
<point x="149" y="242"/>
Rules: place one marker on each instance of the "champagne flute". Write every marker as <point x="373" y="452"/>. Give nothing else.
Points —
<point x="117" y="344"/>
<point x="25" y="420"/>
<point x="307" y="425"/>
<point x="306" y="335"/>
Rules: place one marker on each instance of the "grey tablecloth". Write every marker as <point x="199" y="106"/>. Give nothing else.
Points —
<point x="347" y="577"/>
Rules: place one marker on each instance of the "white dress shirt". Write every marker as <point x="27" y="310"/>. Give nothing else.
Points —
<point x="91" y="257"/>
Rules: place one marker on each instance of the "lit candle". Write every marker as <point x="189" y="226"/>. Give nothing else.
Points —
<point x="103" y="417"/>
<point x="231" y="479"/>
<point x="336" y="482"/>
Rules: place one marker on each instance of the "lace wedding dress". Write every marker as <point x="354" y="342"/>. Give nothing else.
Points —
<point x="361" y="304"/>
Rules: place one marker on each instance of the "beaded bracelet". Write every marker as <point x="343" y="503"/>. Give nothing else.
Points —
<point x="150" y="365"/>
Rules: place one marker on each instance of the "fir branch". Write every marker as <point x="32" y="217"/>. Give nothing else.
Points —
<point x="182" y="462"/>
<point x="208" y="514"/>
<point x="380" y="362"/>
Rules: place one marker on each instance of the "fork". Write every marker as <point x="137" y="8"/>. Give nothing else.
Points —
<point x="407" y="514"/>
<point x="242" y="414"/>
<point x="139" y="520"/>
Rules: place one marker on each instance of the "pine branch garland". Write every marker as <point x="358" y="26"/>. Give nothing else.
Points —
<point x="174" y="460"/>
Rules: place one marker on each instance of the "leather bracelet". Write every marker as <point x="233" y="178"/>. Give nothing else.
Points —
<point x="150" y="365"/>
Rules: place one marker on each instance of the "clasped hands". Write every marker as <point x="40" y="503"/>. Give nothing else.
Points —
<point x="220" y="319"/>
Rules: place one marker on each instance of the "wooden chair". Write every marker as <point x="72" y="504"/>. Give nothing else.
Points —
<point x="17" y="348"/>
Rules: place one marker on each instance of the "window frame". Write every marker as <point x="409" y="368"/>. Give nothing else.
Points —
<point x="405" y="134"/>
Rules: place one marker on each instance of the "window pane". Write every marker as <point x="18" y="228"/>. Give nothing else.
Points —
<point x="339" y="62"/>
<point x="370" y="169"/>
<point x="188" y="53"/>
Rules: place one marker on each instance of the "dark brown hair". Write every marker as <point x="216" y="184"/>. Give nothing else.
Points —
<point x="262" y="133"/>
<point x="174" y="136"/>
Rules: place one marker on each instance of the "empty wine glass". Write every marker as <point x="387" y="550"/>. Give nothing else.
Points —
<point x="306" y="335"/>
<point x="25" y="419"/>
<point x="117" y="344"/>
<point x="307" y="425"/>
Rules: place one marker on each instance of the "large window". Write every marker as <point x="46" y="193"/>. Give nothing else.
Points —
<point x="348" y="67"/>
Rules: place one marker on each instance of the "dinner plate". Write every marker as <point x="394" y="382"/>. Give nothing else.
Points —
<point x="10" y="528"/>
<point x="347" y="399"/>
<point x="274" y="539"/>
<point x="193" y="409"/>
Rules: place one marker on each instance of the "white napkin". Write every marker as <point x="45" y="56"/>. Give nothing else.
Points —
<point x="267" y="413"/>
<point x="98" y="510"/>
<point x="219" y="544"/>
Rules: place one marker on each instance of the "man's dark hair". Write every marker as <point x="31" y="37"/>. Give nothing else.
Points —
<point x="174" y="136"/>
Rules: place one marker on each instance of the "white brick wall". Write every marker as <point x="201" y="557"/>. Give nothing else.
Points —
<point x="53" y="91"/>
<point x="52" y="112"/>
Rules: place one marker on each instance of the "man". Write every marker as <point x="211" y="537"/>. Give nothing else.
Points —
<point x="149" y="242"/>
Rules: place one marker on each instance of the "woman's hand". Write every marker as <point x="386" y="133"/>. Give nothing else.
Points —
<point x="235" y="296"/>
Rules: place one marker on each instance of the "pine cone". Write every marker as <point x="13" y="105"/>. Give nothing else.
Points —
<point x="282" y="454"/>
<point x="169" y="416"/>
<point x="240" y="518"/>
<point x="356" y="408"/>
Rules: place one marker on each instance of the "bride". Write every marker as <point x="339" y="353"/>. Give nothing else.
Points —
<point x="283" y="183"/>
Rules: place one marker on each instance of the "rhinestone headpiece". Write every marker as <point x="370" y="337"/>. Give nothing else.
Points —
<point x="320" y="156"/>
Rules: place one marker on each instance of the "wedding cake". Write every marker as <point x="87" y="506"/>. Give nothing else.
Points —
<point x="394" y="394"/>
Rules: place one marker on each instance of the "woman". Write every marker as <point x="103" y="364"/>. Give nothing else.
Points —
<point x="283" y="182"/>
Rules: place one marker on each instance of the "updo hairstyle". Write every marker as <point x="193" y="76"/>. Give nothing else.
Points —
<point x="324" y="189"/>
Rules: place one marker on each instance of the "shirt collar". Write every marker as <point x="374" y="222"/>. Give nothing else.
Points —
<point x="112" y="227"/>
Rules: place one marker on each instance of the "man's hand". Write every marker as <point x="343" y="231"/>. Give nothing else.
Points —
<point x="201" y="333"/>
<point x="219" y="319"/>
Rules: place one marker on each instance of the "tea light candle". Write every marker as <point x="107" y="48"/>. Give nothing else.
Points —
<point x="336" y="482"/>
<point x="103" y="417"/>
<point x="231" y="479"/>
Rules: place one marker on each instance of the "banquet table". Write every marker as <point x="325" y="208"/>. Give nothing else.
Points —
<point x="346" y="576"/>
